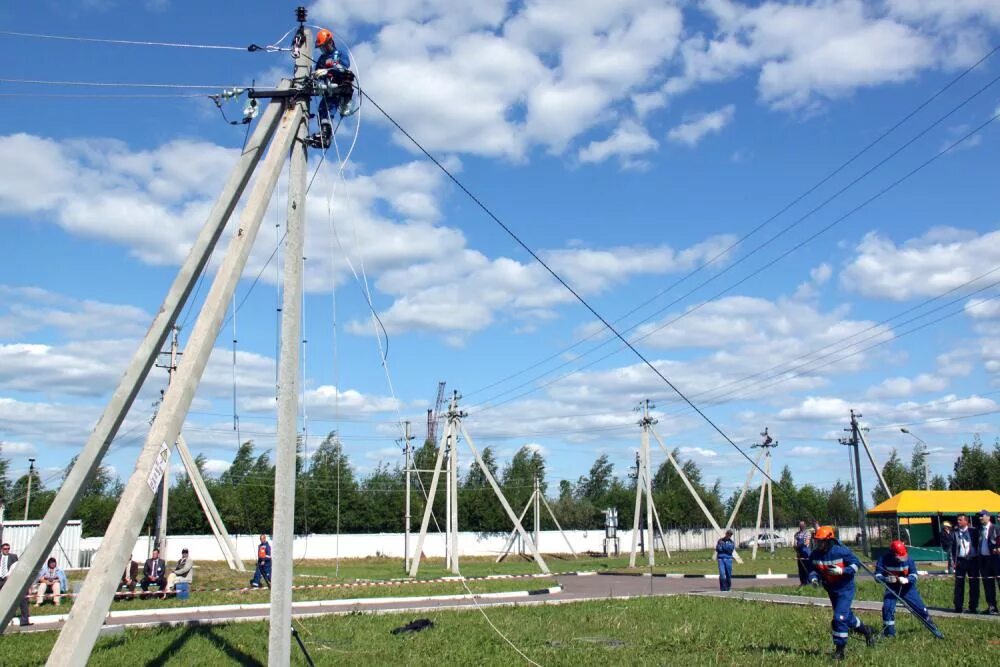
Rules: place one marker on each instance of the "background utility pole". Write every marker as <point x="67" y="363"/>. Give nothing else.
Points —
<point x="765" y="488"/>
<point x="162" y="496"/>
<point x="280" y="633"/>
<point x="27" y="497"/>
<point x="853" y="441"/>
<point x="408" y="463"/>
<point x="644" y="486"/>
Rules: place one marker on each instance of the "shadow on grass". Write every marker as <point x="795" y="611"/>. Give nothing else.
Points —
<point x="168" y="654"/>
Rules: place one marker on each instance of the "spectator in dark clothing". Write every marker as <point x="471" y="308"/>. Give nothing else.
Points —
<point x="7" y="563"/>
<point x="963" y="553"/>
<point x="988" y="553"/>
<point x="802" y="541"/>
<point x="947" y="542"/>
<point x="154" y="572"/>
<point x="130" y="577"/>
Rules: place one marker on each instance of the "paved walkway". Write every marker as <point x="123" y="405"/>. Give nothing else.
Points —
<point x="572" y="588"/>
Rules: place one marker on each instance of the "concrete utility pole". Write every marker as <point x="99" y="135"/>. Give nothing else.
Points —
<point x="163" y="494"/>
<point x="644" y="486"/>
<point x="83" y="625"/>
<point x="853" y="441"/>
<point x="408" y="464"/>
<point x="283" y="526"/>
<point x="453" y="430"/>
<point x="766" y="488"/>
<point x="743" y="491"/>
<point x="87" y="463"/>
<point x="536" y="500"/>
<point x="27" y="497"/>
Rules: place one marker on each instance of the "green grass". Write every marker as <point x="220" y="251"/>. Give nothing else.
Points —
<point x="646" y="631"/>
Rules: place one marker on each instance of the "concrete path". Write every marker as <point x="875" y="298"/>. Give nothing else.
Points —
<point x="572" y="588"/>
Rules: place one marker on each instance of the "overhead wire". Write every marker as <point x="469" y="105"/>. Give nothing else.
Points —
<point x="611" y="328"/>
<point x="768" y="264"/>
<point x="764" y="223"/>
<point x="836" y="221"/>
<point x="270" y="48"/>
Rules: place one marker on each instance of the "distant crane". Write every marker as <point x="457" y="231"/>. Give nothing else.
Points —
<point x="433" y="415"/>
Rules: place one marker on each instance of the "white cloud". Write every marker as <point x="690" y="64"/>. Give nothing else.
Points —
<point x="698" y="127"/>
<point x="940" y="260"/>
<point x="503" y="78"/>
<point x="26" y="310"/>
<point x="699" y="452"/>
<point x="901" y="387"/>
<point x="215" y="467"/>
<point x="438" y="297"/>
<point x="806" y="52"/>
<point x="629" y="140"/>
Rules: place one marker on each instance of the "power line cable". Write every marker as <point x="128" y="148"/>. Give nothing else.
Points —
<point x="576" y="295"/>
<point x="118" y="84"/>
<point x="767" y="264"/>
<point x="270" y="48"/>
<point x="761" y="225"/>
<point x="787" y="252"/>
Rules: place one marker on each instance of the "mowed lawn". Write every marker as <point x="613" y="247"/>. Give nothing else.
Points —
<point x="385" y="577"/>
<point x="644" y="631"/>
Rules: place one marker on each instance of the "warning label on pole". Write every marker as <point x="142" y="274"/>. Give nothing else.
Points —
<point x="159" y="468"/>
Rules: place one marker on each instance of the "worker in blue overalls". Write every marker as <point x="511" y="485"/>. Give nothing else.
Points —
<point x="834" y="565"/>
<point x="333" y="69"/>
<point x="898" y="572"/>
<point x="724" y="549"/>
<point x="263" y="563"/>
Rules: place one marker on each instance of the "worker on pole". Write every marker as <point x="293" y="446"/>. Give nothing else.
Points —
<point x="898" y="572"/>
<point x="335" y="80"/>
<point x="835" y="566"/>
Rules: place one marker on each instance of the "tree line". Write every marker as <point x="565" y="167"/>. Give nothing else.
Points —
<point x="331" y="495"/>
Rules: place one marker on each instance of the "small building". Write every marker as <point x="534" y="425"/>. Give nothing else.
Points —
<point x="66" y="550"/>
<point x="916" y="518"/>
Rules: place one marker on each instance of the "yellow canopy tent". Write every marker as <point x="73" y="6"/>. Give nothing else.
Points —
<point x="916" y="518"/>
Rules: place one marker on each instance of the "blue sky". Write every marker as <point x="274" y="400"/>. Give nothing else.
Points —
<point x="629" y="143"/>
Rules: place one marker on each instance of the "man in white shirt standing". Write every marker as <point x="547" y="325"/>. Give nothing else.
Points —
<point x="7" y="563"/>
<point x="966" y="565"/>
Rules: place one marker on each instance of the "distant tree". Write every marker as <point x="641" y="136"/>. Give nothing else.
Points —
<point x="898" y="476"/>
<point x="975" y="469"/>
<point x="480" y="509"/>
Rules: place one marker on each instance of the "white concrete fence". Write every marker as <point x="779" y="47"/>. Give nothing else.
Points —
<point x="205" y="548"/>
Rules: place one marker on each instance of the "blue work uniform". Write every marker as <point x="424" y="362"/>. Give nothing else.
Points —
<point x="263" y="564"/>
<point x="839" y="587"/>
<point x="724" y="549"/>
<point x="338" y="63"/>
<point x="905" y="572"/>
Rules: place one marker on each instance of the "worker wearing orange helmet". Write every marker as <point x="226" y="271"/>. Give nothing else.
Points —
<point x="834" y="565"/>
<point x="333" y="70"/>
<point x="898" y="572"/>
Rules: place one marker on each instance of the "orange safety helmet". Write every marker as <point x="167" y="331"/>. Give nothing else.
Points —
<point x="824" y="533"/>
<point x="898" y="548"/>
<point x="324" y="36"/>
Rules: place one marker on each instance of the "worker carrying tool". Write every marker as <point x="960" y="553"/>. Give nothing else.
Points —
<point x="898" y="572"/>
<point x="834" y="565"/>
<point x="335" y="80"/>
